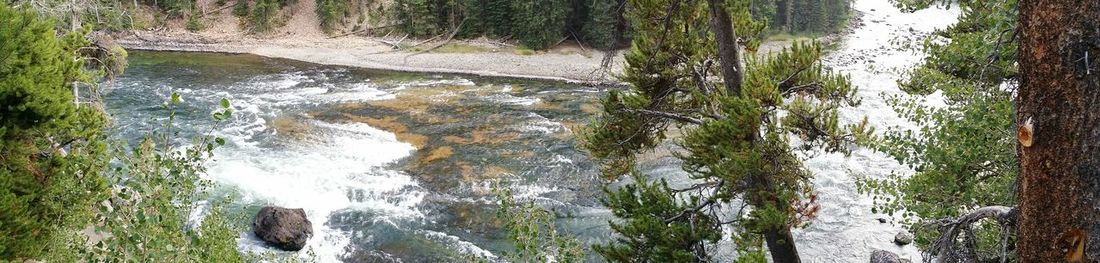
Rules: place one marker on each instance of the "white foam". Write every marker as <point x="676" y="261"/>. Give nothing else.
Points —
<point x="318" y="177"/>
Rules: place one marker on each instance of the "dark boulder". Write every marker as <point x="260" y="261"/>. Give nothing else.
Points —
<point x="883" y="256"/>
<point x="903" y="238"/>
<point x="283" y="228"/>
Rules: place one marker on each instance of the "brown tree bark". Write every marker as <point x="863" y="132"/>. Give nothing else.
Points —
<point x="728" y="51"/>
<point x="1058" y="113"/>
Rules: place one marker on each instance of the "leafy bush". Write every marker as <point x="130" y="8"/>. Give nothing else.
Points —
<point x="156" y="190"/>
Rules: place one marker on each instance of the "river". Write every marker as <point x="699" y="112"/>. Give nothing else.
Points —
<point x="397" y="166"/>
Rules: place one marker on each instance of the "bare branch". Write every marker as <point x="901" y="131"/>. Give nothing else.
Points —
<point x="946" y="248"/>
<point x="667" y="115"/>
<point x="710" y="201"/>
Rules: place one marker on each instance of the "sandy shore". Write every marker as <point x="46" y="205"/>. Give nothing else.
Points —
<point x="569" y="63"/>
<point x="301" y="39"/>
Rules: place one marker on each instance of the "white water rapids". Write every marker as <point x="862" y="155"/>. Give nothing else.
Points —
<point x="366" y="205"/>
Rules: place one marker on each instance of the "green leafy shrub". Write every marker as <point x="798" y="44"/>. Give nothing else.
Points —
<point x="156" y="190"/>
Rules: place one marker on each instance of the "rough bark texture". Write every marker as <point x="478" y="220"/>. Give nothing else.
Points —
<point x="781" y="245"/>
<point x="1059" y="60"/>
<point x="728" y="51"/>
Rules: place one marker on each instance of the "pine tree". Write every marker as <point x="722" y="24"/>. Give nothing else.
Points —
<point x="601" y="30"/>
<point x="538" y="24"/>
<point x="50" y="150"/>
<point x="331" y="13"/>
<point x="736" y="143"/>
<point x="263" y="15"/>
<point x="240" y="9"/>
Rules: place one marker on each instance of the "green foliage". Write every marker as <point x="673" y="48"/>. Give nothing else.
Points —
<point x="538" y="24"/>
<point x="806" y="16"/>
<point x="173" y="7"/>
<point x="963" y="153"/>
<point x="240" y="9"/>
<point x="535" y="24"/>
<point x="156" y="190"/>
<point x="263" y="15"/>
<point x="416" y="17"/>
<point x="194" y="23"/>
<point x="531" y="228"/>
<point x="331" y="13"/>
<point x="645" y="234"/>
<point x="819" y="16"/>
<point x="603" y="23"/>
<point x="51" y="150"/>
<point x="764" y="10"/>
<point x="735" y="146"/>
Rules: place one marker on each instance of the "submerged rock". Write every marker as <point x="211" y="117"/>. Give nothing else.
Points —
<point x="903" y="238"/>
<point x="883" y="256"/>
<point x="283" y="228"/>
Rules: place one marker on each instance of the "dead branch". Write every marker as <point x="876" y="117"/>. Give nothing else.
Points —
<point x="667" y="115"/>
<point x="946" y="247"/>
<point x="367" y="29"/>
<point x="395" y="45"/>
<point x="445" y="42"/>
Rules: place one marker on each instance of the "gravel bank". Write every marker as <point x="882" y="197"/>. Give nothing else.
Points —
<point x="568" y="64"/>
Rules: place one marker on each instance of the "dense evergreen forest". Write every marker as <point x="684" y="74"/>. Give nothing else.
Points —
<point x="600" y="23"/>
<point x="538" y="24"/>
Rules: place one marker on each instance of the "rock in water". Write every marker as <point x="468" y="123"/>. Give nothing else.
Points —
<point x="283" y="228"/>
<point x="903" y="238"/>
<point x="883" y="256"/>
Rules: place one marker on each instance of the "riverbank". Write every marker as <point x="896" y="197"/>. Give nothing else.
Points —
<point x="566" y="62"/>
<point x="300" y="40"/>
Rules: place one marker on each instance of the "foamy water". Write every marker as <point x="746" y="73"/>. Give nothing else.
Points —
<point x="370" y="198"/>
<point x="845" y="229"/>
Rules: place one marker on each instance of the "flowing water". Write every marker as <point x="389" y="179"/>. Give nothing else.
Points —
<point x="397" y="167"/>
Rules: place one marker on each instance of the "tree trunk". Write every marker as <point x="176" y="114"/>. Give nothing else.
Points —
<point x="781" y="245"/>
<point x="780" y="242"/>
<point x="783" y="14"/>
<point x="728" y="50"/>
<point x="1058" y="113"/>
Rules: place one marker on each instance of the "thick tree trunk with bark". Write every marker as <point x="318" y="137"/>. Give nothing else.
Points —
<point x="781" y="245"/>
<point x="728" y="51"/>
<point x="1058" y="113"/>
